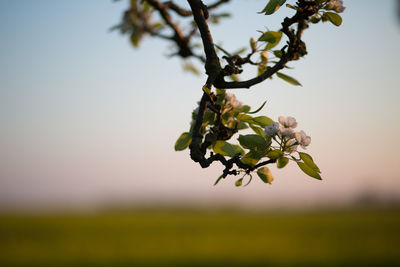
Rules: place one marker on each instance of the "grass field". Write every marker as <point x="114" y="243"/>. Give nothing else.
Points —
<point x="199" y="238"/>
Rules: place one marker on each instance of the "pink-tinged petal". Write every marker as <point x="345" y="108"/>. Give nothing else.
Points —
<point x="300" y="136"/>
<point x="307" y="141"/>
<point x="282" y="120"/>
<point x="291" y="122"/>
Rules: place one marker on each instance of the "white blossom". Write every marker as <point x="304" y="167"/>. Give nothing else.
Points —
<point x="286" y="125"/>
<point x="336" y="5"/>
<point x="302" y="139"/>
<point x="272" y="129"/>
<point x="291" y="146"/>
<point x="287" y="122"/>
<point x="285" y="132"/>
<point x="232" y="101"/>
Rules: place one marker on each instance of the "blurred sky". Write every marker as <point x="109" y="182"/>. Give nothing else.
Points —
<point x="86" y="120"/>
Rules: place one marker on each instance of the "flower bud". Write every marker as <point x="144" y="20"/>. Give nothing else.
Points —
<point x="272" y="129"/>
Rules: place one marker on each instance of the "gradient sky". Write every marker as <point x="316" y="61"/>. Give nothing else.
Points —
<point x="86" y="120"/>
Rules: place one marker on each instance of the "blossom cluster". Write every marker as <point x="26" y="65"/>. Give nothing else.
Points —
<point x="230" y="102"/>
<point x="336" y="5"/>
<point x="284" y="129"/>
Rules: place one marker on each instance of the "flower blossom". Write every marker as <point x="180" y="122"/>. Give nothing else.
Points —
<point x="291" y="146"/>
<point x="303" y="139"/>
<point x="272" y="129"/>
<point x="288" y="122"/>
<point x="285" y="130"/>
<point x="232" y="101"/>
<point x="336" y="5"/>
<point x="286" y="125"/>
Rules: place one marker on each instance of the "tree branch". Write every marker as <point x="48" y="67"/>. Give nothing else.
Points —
<point x="217" y="4"/>
<point x="221" y="83"/>
<point x="179" y="37"/>
<point x="295" y="48"/>
<point x="186" y="13"/>
<point x="137" y="22"/>
<point x="198" y="149"/>
<point x="178" y="10"/>
<point x="212" y="66"/>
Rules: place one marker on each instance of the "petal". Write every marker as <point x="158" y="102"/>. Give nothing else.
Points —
<point x="307" y="141"/>
<point x="298" y="137"/>
<point x="287" y="132"/>
<point x="291" y="122"/>
<point x="282" y="120"/>
<point x="291" y="142"/>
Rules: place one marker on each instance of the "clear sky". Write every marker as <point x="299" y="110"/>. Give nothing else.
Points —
<point x="87" y="120"/>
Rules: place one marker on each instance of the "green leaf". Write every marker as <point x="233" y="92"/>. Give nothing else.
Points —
<point x="263" y="121"/>
<point x="224" y="15"/>
<point x="275" y="154"/>
<point x="245" y="109"/>
<point x="251" y="158"/>
<point x="278" y="53"/>
<point x="239" y="182"/>
<point x="206" y="90"/>
<point x="242" y="125"/>
<point x="261" y="69"/>
<point x="257" y="110"/>
<point x="240" y="51"/>
<point x="234" y="77"/>
<point x="265" y="174"/>
<point x="282" y="162"/>
<point x="253" y="45"/>
<point x="314" y="19"/>
<point x="157" y="25"/>
<point x="258" y="130"/>
<point x="220" y="92"/>
<point x="288" y="79"/>
<point x="271" y="45"/>
<point x="272" y="6"/>
<point x="249" y="161"/>
<point x="309" y="161"/>
<point x="251" y="177"/>
<point x="135" y="39"/>
<point x="223" y="50"/>
<point x="245" y="118"/>
<point x="146" y="7"/>
<point x="309" y="171"/>
<point x="334" y="18"/>
<point x="253" y="141"/>
<point x="227" y="149"/>
<point x="264" y="58"/>
<point x="271" y="37"/>
<point x="209" y="118"/>
<point x="190" y="68"/>
<point x="183" y="141"/>
<point x="219" y="179"/>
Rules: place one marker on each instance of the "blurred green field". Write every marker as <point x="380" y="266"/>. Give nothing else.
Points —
<point x="200" y="238"/>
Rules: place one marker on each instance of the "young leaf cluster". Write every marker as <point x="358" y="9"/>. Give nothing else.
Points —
<point x="263" y="141"/>
<point x="223" y="129"/>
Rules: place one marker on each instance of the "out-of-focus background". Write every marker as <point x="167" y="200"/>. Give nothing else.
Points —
<point x="88" y="174"/>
